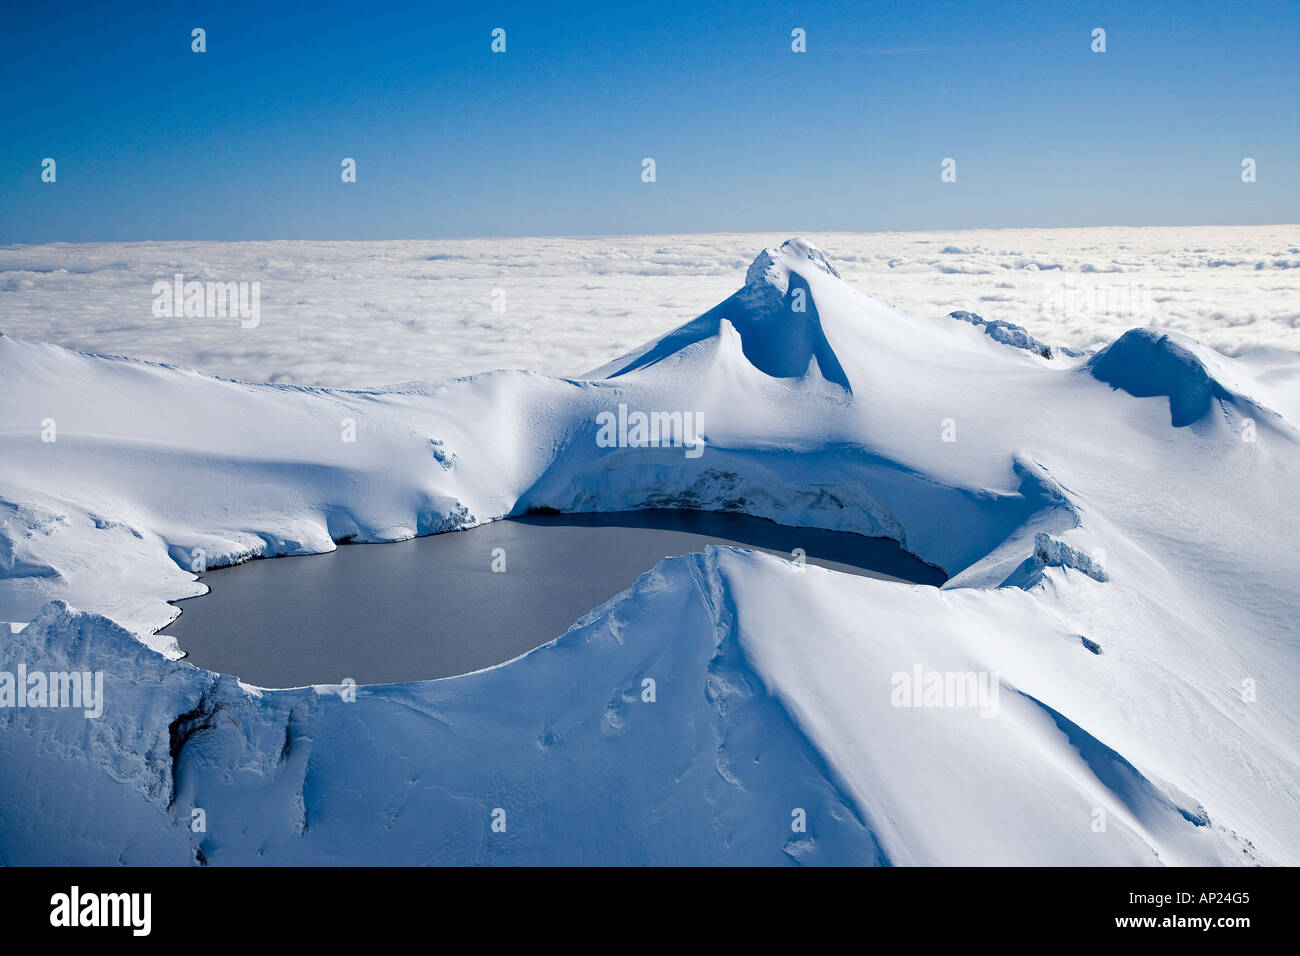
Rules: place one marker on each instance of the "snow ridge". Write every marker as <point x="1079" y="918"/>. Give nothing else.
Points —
<point x="1055" y="553"/>
<point x="1010" y="334"/>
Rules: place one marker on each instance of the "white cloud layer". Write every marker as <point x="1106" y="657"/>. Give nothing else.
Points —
<point x="357" y="314"/>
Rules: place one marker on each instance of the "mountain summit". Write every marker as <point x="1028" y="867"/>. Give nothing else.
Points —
<point x="774" y="314"/>
<point x="771" y="266"/>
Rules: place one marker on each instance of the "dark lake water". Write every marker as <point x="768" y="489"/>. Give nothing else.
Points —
<point x="433" y="607"/>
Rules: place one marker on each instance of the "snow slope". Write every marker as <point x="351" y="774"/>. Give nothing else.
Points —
<point x="1124" y="574"/>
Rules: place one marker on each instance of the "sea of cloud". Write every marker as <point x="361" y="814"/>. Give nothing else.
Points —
<point x="357" y="314"/>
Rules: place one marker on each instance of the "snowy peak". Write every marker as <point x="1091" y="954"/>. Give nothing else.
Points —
<point x="772" y="266"/>
<point x="774" y="314"/>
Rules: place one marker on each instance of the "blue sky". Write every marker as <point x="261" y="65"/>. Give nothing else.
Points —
<point x="153" y="141"/>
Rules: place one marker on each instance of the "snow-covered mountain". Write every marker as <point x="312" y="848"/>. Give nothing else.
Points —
<point x="1116" y="526"/>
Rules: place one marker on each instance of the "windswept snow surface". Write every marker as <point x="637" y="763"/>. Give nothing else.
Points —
<point x="1108" y="676"/>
